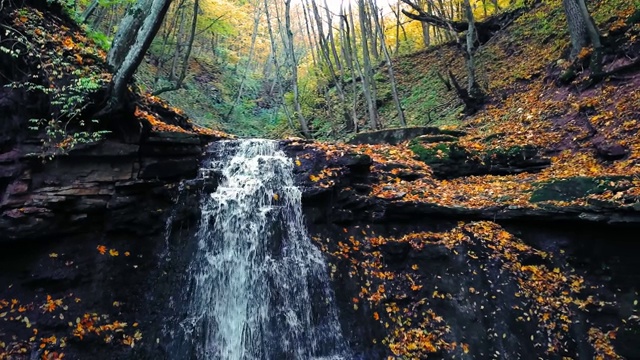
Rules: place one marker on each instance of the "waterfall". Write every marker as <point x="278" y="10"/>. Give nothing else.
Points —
<point x="258" y="286"/>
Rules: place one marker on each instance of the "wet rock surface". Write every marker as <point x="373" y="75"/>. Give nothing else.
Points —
<point x="415" y="278"/>
<point x="89" y="235"/>
<point x="94" y="244"/>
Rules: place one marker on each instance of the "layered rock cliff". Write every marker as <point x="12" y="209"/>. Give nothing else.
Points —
<point x="417" y="279"/>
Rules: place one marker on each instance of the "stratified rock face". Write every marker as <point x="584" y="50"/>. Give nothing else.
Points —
<point x="93" y="246"/>
<point x="99" y="183"/>
<point x="417" y="280"/>
<point x="474" y="290"/>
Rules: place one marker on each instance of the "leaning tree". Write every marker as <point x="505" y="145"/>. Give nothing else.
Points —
<point x="132" y="40"/>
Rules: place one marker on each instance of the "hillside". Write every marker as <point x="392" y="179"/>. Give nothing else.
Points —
<point x="574" y="137"/>
<point x="543" y="152"/>
<point x="495" y="235"/>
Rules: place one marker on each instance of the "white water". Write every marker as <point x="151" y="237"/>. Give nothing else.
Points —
<point x="259" y="287"/>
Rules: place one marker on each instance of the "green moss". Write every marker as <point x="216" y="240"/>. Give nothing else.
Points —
<point x="573" y="188"/>
<point x="445" y="152"/>
<point x="439" y="153"/>
<point x="510" y="153"/>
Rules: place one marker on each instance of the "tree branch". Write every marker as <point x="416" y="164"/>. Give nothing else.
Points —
<point x="485" y="29"/>
<point x="457" y="26"/>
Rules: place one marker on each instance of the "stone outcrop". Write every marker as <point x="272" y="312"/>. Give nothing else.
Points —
<point x="396" y="136"/>
<point x="97" y="237"/>
<point x="396" y="264"/>
<point x="93" y="184"/>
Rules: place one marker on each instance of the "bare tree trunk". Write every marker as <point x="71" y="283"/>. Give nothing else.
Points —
<point x="179" y="45"/>
<point x="134" y="36"/>
<point x="392" y="77"/>
<point x="294" y="70"/>
<point x="471" y="69"/>
<point x="326" y="56"/>
<point x="472" y="96"/>
<point x="398" y="25"/>
<point x="187" y="55"/>
<point x="594" y="36"/>
<point x="179" y="79"/>
<point x="168" y="30"/>
<point x="583" y="31"/>
<point x="315" y="36"/>
<point x="332" y="43"/>
<point x="577" y="26"/>
<point x="350" y="57"/>
<point x="370" y="17"/>
<point x="312" y="47"/>
<point x="89" y="11"/>
<point x="367" y="78"/>
<point x="274" y="58"/>
<point x="426" y="31"/>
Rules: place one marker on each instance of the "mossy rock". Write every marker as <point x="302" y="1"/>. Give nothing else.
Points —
<point x="441" y="153"/>
<point x="574" y="188"/>
<point x="510" y="153"/>
<point x="450" y="160"/>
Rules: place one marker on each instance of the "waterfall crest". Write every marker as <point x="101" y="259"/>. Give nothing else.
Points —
<point x="258" y="286"/>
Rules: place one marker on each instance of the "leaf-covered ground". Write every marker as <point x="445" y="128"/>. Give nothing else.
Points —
<point x="572" y="124"/>
<point x="587" y="131"/>
<point x="545" y="297"/>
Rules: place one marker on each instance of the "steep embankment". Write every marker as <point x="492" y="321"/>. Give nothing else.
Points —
<point x="543" y="144"/>
<point x="434" y="279"/>
<point x="503" y="234"/>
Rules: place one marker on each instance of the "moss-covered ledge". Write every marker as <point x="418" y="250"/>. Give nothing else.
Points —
<point x="451" y="160"/>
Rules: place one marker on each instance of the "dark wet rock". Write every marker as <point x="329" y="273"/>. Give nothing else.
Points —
<point x="611" y="151"/>
<point x="53" y="217"/>
<point x="578" y="187"/>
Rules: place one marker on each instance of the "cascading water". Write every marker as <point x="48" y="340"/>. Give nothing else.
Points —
<point x="259" y="287"/>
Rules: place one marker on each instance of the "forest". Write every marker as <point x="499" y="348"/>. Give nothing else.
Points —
<point x="462" y="175"/>
<point x="329" y="69"/>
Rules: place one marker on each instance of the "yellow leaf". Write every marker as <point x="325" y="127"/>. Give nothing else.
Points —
<point x="314" y="178"/>
<point x="53" y="255"/>
<point x="298" y="163"/>
<point x="113" y="252"/>
<point x="276" y="197"/>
